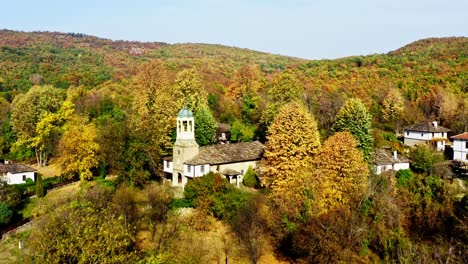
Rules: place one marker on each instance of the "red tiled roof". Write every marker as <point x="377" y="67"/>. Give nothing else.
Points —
<point x="463" y="136"/>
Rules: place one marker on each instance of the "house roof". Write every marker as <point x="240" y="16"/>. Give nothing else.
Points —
<point x="426" y="127"/>
<point x="385" y="157"/>
<point x="15" y="168"/>
<point x="228" y="153"/>
<point x="462" y="136"/>
<point x="223" y="128"/>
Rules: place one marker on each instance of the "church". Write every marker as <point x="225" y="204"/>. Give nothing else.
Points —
<point x="189" y="160"/>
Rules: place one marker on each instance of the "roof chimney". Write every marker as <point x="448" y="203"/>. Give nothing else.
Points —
<point x="395" y="155"/>
<point x="434" y="123"/>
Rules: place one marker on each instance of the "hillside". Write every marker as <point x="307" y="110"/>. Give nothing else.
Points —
<point x="76" y="59"/>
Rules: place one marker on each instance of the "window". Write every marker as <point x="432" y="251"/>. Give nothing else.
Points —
<point x="242" y="172"/>
<point x="185" y="124"/>
<point x="24" y="177"/>
<point x="407" y="133"/>
<point x="422" y="134"/>
<point x="433" y="135"/>
<point x="202" y="169"/>
<point x="466" y="144"/>
<point x="167" y="164"/>
<point x="178" y="152"/>
<point x="189" y="169"/>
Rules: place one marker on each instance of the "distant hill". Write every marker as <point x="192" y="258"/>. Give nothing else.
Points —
<point x="65" y="59"/>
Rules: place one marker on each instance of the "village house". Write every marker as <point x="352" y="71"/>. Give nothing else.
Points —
<point x="426" y="133"/>
<point x="460" y="147"/>
<point x="190" y="161"/>
<point x="15" y="173"/>
<point x="385" y="160"/>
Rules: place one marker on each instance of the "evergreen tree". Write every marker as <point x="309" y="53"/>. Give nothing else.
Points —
<point x="39" y="186"/>
<point x="355" y="118"/>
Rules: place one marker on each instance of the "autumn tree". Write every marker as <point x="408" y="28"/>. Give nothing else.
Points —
<point x="293" y="140"/>
<point x="392" y="108"/>
<point x="28" y="110"/>
<point x="285" y="88"/>
<point x="340" y="172"/>
<point x="189" y="90"/>
<point x="205" y="126"/>
<point x="246" y="81"/>
<point x="78" y="149"/>
<point x="152" y="120"/>
<point x="244" y="89"/>
<point x="355" y="118"/>
<point x="81" y="232"/>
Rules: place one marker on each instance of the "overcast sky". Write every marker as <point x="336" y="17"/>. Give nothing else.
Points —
<point x="311" y="29"/>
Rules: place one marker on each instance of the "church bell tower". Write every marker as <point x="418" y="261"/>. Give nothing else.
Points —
<point x="185" y="147"/>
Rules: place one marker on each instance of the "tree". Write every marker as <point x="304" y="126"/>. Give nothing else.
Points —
<point x="78" y="150"/>
<point x="285" y="88"/>
<point x="80" y="232"/>
<point x="355" y="118"/>
<point x="189" y="90"/>
<point x="39" y="186"/>
<point x="48" y="130"/>
<point x="158" y="201"/>
<point x="249" y="226"/>
<point x="246" y="82"/>
<point x="5" y="213"/>
<point x="293" y="140"/>
<point x="242" y="132"/>
<point x="205" y="126"/>
<point x="27" y="112"/>
<point x="152" y="120"/>
<point x="423" y="158"/>
<point x="393" y="107"/>
<point x="340" y="172"/>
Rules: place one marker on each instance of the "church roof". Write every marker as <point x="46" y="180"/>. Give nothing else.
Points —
<point x="184" y="113"/>
<point x="426" y="127"/>
<point x="228" y="153"/>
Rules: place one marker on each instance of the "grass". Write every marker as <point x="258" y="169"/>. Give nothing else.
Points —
<point x="9" y="251"/>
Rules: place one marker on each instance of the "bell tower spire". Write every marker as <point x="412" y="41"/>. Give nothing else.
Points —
<point x="185" y="147"/>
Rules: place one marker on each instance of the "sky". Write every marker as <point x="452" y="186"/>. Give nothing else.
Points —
<point x="309" y="29"/>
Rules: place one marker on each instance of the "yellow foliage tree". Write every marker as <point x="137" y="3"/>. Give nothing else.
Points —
<point x="293" y="140"/>
<point x="78" y="150"/>
<point x="340" y="172"/>
<point x="189" y="90"/>
<point x="154" y="110"/>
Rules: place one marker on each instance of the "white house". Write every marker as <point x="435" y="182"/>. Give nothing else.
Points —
<point x="385" y="160"/>
<point x="460" y="147"/>
<point x="15" y="173"/>
<point x="426" y="133"/>
<point x="189" y="161"/>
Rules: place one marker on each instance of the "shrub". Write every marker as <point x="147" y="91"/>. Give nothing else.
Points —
<point x="404" y="177"/>
<point x="250" y="178"/>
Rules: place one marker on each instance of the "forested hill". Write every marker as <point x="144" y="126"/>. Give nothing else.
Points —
<point x="64" y="59"/>
<point x="430" y="74"/>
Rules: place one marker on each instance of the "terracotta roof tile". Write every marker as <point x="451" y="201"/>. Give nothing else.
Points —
<point x="463" y="136"/>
